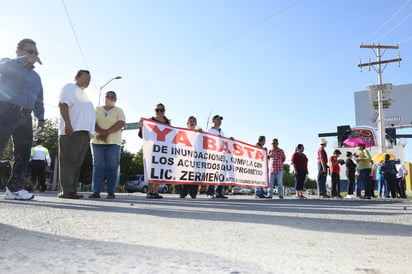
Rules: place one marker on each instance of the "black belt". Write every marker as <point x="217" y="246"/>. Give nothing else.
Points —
<point x="11" y="106"/>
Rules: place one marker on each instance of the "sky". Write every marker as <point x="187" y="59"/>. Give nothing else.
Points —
<point x="284" y="69"/>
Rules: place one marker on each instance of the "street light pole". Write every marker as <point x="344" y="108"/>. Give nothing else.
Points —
<point x="100" y="93"/>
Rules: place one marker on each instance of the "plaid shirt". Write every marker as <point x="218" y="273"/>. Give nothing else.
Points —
<point x="276" y="159"/>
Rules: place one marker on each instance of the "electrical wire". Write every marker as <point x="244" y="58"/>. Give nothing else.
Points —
<point x="388" y="20"/>
<point x="395" y="27"/>
<point x="222" y="42"/>
<point x="77" y="42"/>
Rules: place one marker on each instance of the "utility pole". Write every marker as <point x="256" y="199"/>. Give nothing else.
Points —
<point x="381" y="117"/>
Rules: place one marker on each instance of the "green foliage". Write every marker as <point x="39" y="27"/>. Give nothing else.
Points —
<point x="309" y="183"/>
<point x="130" y="164"/>
<point x="288" y="177"/>
<point x="49" y="136"/>
<point x="8" y="151"/>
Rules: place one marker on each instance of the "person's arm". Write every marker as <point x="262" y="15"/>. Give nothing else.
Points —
<point x="64" y="111"/>
<point x="104" y="133"/>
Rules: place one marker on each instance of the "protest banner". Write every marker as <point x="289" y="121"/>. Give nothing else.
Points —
<point x="184" y="156"/>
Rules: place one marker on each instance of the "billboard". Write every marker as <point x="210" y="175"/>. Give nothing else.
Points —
<point x="397" y="114"/>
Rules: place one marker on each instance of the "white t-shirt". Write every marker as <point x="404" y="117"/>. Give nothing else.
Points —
<point x="81" y="111"/>
<point x="216" y="132"/>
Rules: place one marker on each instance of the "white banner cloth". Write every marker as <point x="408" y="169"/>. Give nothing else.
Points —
<point x="184" y="156"/>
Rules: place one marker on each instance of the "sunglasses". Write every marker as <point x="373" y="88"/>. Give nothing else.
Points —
<point x="159" y="110"/>
<point x="32" y="51"/>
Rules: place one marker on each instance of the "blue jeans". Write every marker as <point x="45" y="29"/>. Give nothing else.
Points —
<point x="358" y="186"/>
<point x="18" y="125"/>
<point x="382" y="188"/>
<point x="365" y="178"/>
<point x="105" y="163"/>
<point x="279" y="179"/>
<point x="321" y="180"/>
<point x="259" y="191"/>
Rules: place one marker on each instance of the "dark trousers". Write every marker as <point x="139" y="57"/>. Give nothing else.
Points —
<point x="211" y="190"/>
<point x="335" y="184"/>
<point x="365" y="178"/>
<point x="17" y="124"/>
<point x="400" y="188"/>
<point x="38" y="172"/>
<point x="72" y="152"/>
<point x="188" y="189"/>
<point x="391" y="183"/>
<point x="351" y="183"/>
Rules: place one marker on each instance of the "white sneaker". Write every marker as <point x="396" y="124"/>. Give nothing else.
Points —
<point x="348" y="196"/>
<point x="19" y="195"/>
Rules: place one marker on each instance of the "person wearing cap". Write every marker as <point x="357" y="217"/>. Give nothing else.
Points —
<point x="40" y="159"/>
<point x="210" y="192"/>
<point x="259" y="190"/>
<point x="322" y="168"/>
<point x="276" y="157"/>
<point x="21" y="93"/>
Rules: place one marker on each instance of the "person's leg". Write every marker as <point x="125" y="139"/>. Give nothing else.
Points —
<point x="34" y="173"/>
<point x="23" y="140"/>
<point x="99" y="167"/>
<point x="258" y="192"/>
<point x="272" y="184"/>
<point x="210" y="191"/>
<point x="334" y="184"/>
<point x="72" y="152"/>
<point x="279" y="180"/>
<point x="111" y="156"/>
<point x="219" y="190"/>
<point x="366" y="181"/>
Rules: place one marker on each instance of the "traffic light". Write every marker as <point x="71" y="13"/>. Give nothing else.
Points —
<point x="390" y="135"/>
<point x="343" y="133"/>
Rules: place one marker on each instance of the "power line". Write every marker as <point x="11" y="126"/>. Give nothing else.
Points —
<point x="220" y="43"/>
<point x="395" y="27"/>
<point x="77" y="42"/>
<point x="388" y="20"/>
<point x="75" y="35"/>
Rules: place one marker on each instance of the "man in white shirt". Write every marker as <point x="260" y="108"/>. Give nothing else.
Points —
<point x="77" y="123"/>
<point x="40" y="159"/>
<point x="210" y="192"/>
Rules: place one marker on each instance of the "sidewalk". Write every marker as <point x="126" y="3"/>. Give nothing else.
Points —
<point x="132" y="234"/>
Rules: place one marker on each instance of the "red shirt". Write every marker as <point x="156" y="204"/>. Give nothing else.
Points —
<point x="300" y="161"/>
<point x="334" y="164"/>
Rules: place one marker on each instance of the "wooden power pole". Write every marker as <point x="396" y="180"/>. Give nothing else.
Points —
<point x="381" y="117"/>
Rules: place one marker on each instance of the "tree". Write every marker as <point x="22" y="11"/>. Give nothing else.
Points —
<point x="309" y="183"/>
<point x="50" y="137"/>
<point x="288" y="176"/>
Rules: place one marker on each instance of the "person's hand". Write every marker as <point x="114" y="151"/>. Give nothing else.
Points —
<point x="68" y="130"/>
<point x="40" y="126"/>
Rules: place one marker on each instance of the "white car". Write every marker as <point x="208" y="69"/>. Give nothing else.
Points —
<point x="241" y="190"/>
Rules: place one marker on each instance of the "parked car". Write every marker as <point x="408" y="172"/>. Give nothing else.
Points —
<point x="241" y="190"/>
<point x="136" y="183"/>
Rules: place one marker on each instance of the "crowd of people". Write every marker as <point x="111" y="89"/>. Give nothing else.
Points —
<point x="21" y="93"/>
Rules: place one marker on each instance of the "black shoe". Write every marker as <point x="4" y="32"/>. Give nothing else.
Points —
<point x="71" y="195"/>
<point x="221" y="196"/>
<point x="157" y="196"/>
<point x="150" y="196"/>
<point x="94" y="195"/>
<point x="110" y="196"/>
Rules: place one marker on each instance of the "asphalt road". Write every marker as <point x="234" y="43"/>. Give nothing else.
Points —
<point x="239" y="235"/>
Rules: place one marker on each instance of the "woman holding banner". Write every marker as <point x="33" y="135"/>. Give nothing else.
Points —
<point x="190" y="189"/>
<point x="153" y="188"/>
